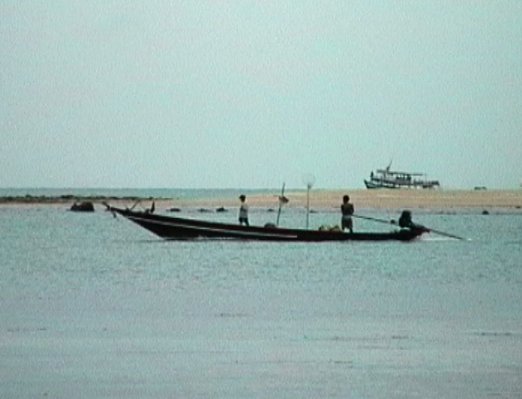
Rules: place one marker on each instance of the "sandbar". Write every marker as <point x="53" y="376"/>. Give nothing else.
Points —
<point x="318" y="199"/>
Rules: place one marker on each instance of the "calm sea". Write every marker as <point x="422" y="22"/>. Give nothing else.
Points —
<point x="92" y="306"/>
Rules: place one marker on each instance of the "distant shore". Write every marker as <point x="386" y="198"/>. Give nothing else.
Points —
<point x="319" y="199"/>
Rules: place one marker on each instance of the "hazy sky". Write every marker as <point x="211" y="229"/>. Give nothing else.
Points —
<point x="251" y="94"/>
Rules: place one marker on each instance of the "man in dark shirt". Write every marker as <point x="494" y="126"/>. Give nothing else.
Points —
<point x="243" y="211"/>
<point x="347" y="210"/>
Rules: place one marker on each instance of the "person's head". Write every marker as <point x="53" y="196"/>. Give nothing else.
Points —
<point x="346" y="198"/>
<point x="242" y="198"/>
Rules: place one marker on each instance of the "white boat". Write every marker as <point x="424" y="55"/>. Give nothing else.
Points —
<point x="387" y="178"/>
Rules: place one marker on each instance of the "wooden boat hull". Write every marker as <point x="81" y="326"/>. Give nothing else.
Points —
<point x="174" y="228"/>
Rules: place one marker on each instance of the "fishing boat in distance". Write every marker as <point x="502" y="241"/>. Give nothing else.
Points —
<point x="387" y="178"/>
<point x="176" y="228"/>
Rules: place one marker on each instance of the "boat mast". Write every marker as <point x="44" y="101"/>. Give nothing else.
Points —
<point x="281" y="199"/>
<point x="308" y="187"/>
<point x="309" y="179"/>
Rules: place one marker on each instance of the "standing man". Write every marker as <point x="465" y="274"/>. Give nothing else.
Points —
<point x="243" y="210"/>
<point x="347" y="210"/>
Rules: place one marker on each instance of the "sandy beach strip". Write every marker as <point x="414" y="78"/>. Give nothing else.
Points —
<point x="320" y="199"/>
<point x="389" y="199"/>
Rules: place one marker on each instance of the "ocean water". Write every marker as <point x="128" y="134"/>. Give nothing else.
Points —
<point x="92" y="306"/>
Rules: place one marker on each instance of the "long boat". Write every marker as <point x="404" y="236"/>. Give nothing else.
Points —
<point x="176" y="228"/>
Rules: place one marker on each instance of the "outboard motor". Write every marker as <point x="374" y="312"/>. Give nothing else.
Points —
<point x="405" y="221"/>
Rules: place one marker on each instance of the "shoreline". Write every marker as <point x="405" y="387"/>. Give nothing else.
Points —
<point x="319" y="199"/>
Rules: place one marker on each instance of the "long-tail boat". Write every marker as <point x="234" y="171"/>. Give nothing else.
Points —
<point x="176" y="228"/>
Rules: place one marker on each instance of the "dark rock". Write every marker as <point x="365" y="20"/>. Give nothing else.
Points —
<point x="85" y="206"/>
